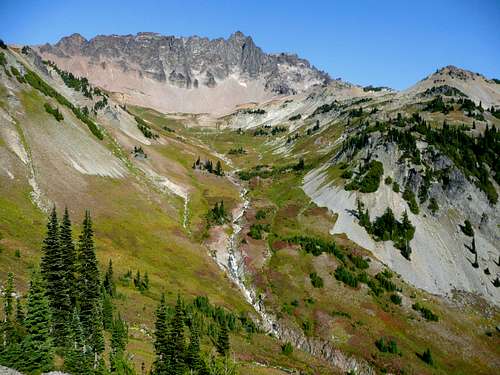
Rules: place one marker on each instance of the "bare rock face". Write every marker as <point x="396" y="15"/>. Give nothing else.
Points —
<point x="181" y="69"/>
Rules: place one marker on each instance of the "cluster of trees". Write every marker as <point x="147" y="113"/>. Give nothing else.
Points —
<point x="477" y="156"/>
<point x="53" y="111"/>
<point x="426" y="313"/>
<point x="39" y="84"/>
<point x="257" y="230"/>
<point x="388" y="346"/>
<point x="237" y="151"/>
<point x="67" y="309"/>
<point x="409" y="197"/>
<point x="217" y="215"/>
<point x="208" y="166"/>
<point x="324" y="108"/>
<point x="141" y="283"/>
<point x="145" y="128"/>
<point x="139" y="152"/>
<point x="258" y="111"/>
<point x="438" y="105"/>
<point x="388" y="228"/>
<point x="315" y="128"/>
<point x="368" y="178"/>
<point x="176" y="354"/>
<point x="316" y="280"/>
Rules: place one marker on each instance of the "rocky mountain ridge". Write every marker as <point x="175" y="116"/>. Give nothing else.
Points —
<point x="154" y="64"/>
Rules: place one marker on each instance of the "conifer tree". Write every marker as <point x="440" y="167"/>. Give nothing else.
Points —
<point x="53" y="272"/>
<point x="222" y="343"/>
<point x="176" y="345"/>
<point x="19" y="312"/>
<point x="119" y="338"/>
<point x="68" y="255"/>
<point x="78" y="358"/>
<point x="37" y="353"/>
<point x="107" y="310"/>
<point x="193" y="358"/>
<point x="88" y="282"/>
<point x="161" y="338"/>
<point x="8" y="292"/>
<point x="108" y="282"/>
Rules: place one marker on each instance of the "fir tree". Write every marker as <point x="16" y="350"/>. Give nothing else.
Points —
<point x="37" y="352"/>
<point x="193" y="359"/>
<point x="88" y="282"/>
<point x="107" y="310"/>
<point x="176" y="344"/>
<point x="53" y="272"/>
<point x="8" y="305"/>
<point x="19" y="312"/>
<point x="119" y="337"/>
<point x="68" y="254"/>
<point x="108" y="282"/>
<point x="161" y="338"/>
<point x="223" y="340"/>
<point x="78" y="358"/>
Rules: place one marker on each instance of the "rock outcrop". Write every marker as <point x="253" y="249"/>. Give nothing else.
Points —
<point x="181" y="69"/>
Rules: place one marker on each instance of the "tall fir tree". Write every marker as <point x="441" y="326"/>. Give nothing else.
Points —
<point x="68" y="254"/>
<point x="37" y="351"/>
<point x="53" y="272"/>
<point x="108" y="282"/>
<point x="88" y="283"/>
<point x="193" y="357"/>
<point x="161" y="338"/>
<point x="222" y="343"/>
<point x="176" y="343"/>
<point x="78" y="358"/>
<point x="8" y="305"/>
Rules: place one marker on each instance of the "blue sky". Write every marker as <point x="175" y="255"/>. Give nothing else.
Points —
<point x="390" y="43"/>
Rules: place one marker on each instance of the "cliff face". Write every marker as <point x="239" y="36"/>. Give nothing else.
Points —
<point x="182" y="69"/>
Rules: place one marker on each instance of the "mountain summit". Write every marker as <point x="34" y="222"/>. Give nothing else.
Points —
<point x="184" y="74"/>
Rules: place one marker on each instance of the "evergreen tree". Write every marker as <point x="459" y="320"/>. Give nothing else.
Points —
<point x="88" y="283"/>
<point x="8" y="305"/>
<point x="176" y="344"/>
<point x="19" y="312"/>
<point x="146" y="280"/>
<point x="107" y="310"/>
<point x="37" y="354"/>
<point x="108" y="282"/>
<point x="222" y="343"/>
<point x="68" y="254"/>
<point x="119" y="337"/>
<point x="78" y="358"/>
<point x="161" y="338"/>
<point x="193" y="358"/>
<point x="54" y="272"/>
<point x="218" y="169"/>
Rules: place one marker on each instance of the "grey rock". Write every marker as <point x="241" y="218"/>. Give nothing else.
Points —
<point x="182" y="60"/>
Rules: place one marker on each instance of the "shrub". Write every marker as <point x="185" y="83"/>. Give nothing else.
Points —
<point x="316" y="280"/>
<point x="467" y="228"/>
<point x="347" y="277"/>
<point x="387" y="346"/>
<point x="385" y="282"/>
<point x="433" y="205"/>
<point x="347" y="174"/>
<point x="425" y="312"/>
<point x="54" y="112"/>
<point x="396" y="299"/>
<point x="287" y="348"/>
<point x="296" y="117"/>
<point x="395" y="187"/>
<point x="257" y="229"/>
<point x="388" y="180"/>
<point x="371" y="180"/>
<point x="261" y="214"/>
<point x="358" y="261"/>
<point x="409" y="197"/>
<point x="426" y="356"/>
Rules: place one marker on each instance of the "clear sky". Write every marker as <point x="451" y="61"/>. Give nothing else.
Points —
<point x="390" y="43"/>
